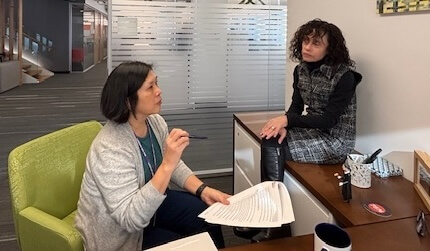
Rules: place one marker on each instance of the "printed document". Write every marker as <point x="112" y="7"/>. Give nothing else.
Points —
<point x="196" y="242"/>
<point x="267" y="204"/>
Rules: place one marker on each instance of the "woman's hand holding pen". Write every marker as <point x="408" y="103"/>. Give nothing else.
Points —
<point x="275" y="127"/>
<point x="176" y="142"/>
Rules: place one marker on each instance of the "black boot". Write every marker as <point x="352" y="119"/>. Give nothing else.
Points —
<point x="272" y="160"/>
<point x="273" y="233"/>
<point x="272" y="169"/>
<point x="246" y="232"/>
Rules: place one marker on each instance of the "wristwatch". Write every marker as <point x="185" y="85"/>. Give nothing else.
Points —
<point x="200" y="190"/>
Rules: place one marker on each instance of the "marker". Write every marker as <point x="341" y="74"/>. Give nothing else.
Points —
<point x="372" y="157"/>
<point x="197" y="137"/>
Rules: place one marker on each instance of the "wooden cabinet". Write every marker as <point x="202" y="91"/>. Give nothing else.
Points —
<point x="308" y="210"/>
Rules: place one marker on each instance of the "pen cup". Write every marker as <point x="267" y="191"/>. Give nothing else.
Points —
<point x="360" y="173"/>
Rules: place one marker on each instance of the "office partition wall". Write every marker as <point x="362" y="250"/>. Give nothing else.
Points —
<point x="212" y="58"/>
<point x="88" y="37"/>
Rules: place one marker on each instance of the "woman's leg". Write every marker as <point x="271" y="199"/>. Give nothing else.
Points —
<point x="273" y="157"/>
<point x="153" y="236"/>
<point x="179" y="214"/>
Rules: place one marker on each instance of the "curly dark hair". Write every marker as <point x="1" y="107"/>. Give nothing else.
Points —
<point x="337" y="52"/>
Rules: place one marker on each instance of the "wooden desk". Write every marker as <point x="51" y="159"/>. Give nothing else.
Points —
<point x="390" y="235"/>
<point x="397" y="193"/>
<point x="298" y="243"/>
<point x="252" y="122"/>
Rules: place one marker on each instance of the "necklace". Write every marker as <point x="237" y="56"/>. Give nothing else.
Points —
<point x="152" y="166"/>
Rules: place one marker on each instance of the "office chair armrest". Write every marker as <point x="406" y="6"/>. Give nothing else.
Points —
<point x="41" y="231"/>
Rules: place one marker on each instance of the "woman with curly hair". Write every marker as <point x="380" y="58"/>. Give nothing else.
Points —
<point x="319" y="126"/>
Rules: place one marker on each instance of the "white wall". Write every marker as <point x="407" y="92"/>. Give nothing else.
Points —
<point x="392" y="53"/>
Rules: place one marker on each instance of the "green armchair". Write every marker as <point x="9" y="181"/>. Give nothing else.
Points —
<point x="45" y="178"/>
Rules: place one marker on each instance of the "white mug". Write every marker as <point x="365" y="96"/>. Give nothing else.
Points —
<point x="329" y="237"/>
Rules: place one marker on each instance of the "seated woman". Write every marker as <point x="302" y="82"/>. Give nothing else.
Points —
<point x="125" y="202"/>
<point x="319" y="126"/>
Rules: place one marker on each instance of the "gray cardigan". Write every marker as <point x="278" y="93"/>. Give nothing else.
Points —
<point x="114" y="204"/>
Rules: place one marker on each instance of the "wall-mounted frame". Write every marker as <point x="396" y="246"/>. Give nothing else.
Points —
<point x="422" y="176"/>
<point x="400" y="6"/>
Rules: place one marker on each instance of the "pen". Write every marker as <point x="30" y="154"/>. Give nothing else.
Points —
<point x="372" y="157"/>
<point x="197" y="137"/>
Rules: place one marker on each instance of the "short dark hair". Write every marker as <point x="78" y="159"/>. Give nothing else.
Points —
<point x="337" y="52"/>
<point x="119" y="95"/>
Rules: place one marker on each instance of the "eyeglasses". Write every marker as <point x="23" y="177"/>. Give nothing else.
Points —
<point x="421" y="224"/>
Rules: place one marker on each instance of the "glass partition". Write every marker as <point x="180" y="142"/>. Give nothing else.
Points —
<point x="77" y="38"/>
<point x="89" y="40"/>
<point x="89" y="31"/>
<point x="213" y="58"/>
<point x="104" y="35"/>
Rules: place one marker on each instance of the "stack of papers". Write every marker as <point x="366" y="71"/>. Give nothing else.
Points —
<point x="196" y="242"/>
<point x="267" y="204"/>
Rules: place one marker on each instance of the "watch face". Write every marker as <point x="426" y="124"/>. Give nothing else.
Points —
<point x="377" y="209"/>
